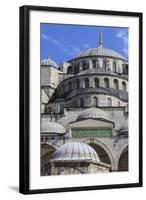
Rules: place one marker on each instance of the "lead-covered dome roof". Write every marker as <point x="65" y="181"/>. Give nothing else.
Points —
<point x="49" y="62"/>
<point x="51" y="127"/>
<point x="75" y="151"/>
<point x="100" y="51"/>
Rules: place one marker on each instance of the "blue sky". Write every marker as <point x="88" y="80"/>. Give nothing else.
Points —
<point x="64" y="42"/>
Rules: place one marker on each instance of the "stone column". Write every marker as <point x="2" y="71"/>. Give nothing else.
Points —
<point x="120" y="84"/>
<point x="100" y="60"/>
<point x="120" y="70"/>
<point x="91" y="80"/>
<point x="111" y="82"/>
<point x="90" y="64"/>
<point x="111" y="65"/>
<point x="101" y="82"/>
<point x="81" y="66"/>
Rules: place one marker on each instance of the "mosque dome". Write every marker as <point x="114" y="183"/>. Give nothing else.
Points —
<point x="100" y="51"/>
<point x="51" y="127"/>
<point x="49" y="62"/>
<point x="75" y="151"/>
<point x="92" y="113"/>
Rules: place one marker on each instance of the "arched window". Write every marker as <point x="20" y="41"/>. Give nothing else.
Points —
<point x="84" y="65"/>
<point x="95" y="101"/>
<point x="81" y="102"/>
<point x="86" y="82"/>
<point x="97" y="64"/>
<point x="96" y="82"/>
<point x="107" y="65"/>
<point x="106" y="82"/>
<point x="87" y="65"/>
<point x="69" y="86"/>
<point x="116" y="84"/>
<point x="124" y="86"/>
<point x="69" y="70"/>
<point x="94" y="63"/>
<point x="109" y="102"/>
<point x="104" y="64"/>
<point x="126" y="69"/>
<point x="114" y="66"/>
<point x="123" y="68"/>
<point x="77" y="66"/>
<point x="77" y="84"/>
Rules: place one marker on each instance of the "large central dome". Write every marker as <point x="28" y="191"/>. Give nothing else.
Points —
<point x="100" y="51"/>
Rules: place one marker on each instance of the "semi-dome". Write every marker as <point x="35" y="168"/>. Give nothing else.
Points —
<point x="75" y="151"/>
<point x="92" y="113"/>
<point x="100" y="51"/>
<point x="49" y="62"/>
<point x="51" y="127"/>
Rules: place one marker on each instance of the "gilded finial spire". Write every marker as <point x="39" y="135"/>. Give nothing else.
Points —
<point x="100" y="39"/>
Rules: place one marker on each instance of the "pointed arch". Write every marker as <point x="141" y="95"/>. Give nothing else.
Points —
<point x="114" y="67"/>
<point x="109" y="102"/>
<point x="124" y="86"/>
<point x="96" y="82"/>
<point x="123" y="160"/>
<point x="86" y="81"/>
<point x="103" y="151"/>
<point x="95" y="101"/>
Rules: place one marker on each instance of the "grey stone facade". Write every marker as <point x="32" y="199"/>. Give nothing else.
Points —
<point x="88" y="96"/>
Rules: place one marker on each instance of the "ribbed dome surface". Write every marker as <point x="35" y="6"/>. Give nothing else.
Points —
<point x="51" y="127"/>
<point x="100" y="51"/>
<point x="93" y="113"/>
<point x="75" y="151"/>
<point x="48" y="62"/>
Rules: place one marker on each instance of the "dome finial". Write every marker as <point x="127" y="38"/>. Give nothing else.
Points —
<point x="49" y="56"/>
<point x="100" y="40"/>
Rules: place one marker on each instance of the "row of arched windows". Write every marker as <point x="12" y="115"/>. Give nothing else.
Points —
<point x="96" y="84"/>
<point x="84" y="65"/>
<point x="95" y="102"/>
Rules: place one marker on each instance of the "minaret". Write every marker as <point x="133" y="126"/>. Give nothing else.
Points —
<point x="100" y="40"/>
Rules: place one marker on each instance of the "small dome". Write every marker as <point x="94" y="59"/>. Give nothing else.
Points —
<point x="93" y="113"/>
<point x="51" y="127"/>
<point x="49" y="62"/>
<point x="100" y="51"/>
<point x="75" y="151"/>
